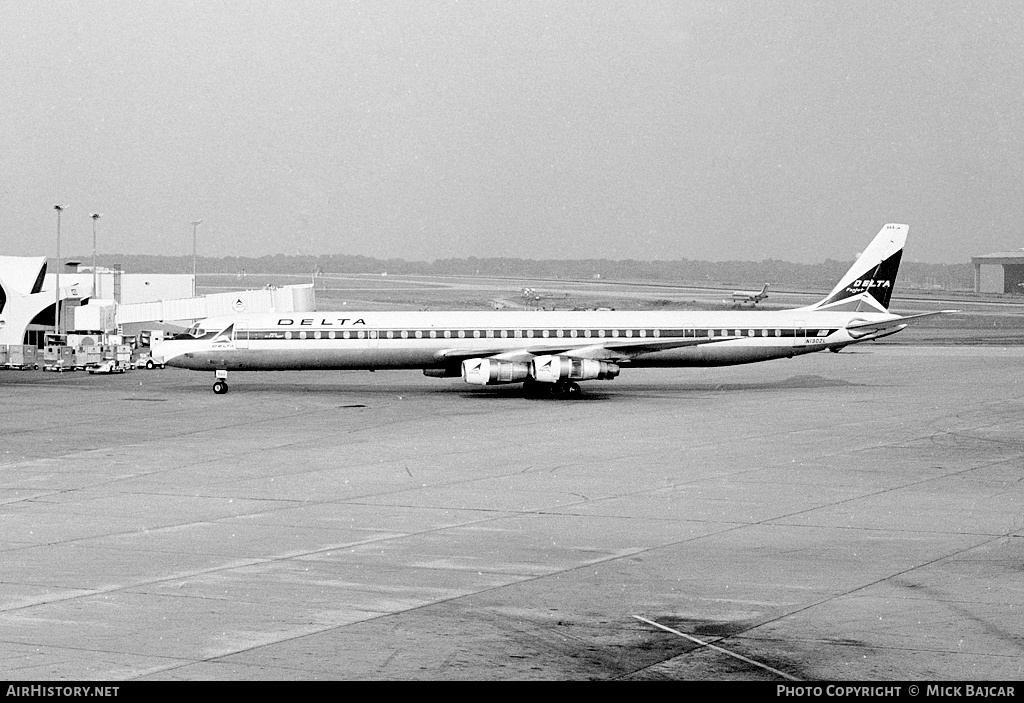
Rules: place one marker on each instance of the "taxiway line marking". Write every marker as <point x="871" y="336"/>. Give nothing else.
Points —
<point x="702" y="643"/>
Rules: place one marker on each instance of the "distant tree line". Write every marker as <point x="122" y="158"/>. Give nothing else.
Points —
<point x="778" y="273"/>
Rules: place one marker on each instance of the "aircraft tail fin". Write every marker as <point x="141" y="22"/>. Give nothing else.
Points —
<point x="868" y="285"/>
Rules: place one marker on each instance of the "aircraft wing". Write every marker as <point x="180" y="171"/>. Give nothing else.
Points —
<point x="863" y="327"/>
<point x="643" y="345"/>
<point x="505" y="353"/>
<point x="609" y="349"/>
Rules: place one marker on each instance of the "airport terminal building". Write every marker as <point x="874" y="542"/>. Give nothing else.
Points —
<point x="102" y="301"/>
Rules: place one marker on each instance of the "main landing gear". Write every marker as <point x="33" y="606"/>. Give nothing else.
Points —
<point x="562" y="389"/>
<point x="220" y="386"/>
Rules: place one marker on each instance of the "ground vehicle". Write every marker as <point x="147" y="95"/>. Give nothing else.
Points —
<point x="146" y="361"/>
<point x="109" y="366"/>
<point x="22" y="356"/>
<point x="58" y="358"/>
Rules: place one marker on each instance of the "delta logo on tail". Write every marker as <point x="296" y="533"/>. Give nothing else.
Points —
<point x="868" y="285"/>
<point x="878" y="283"/>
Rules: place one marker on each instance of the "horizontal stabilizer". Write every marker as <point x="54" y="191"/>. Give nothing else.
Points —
<point x="878" y="334"/>
<point x="895" y="320"/>
<point x="863" y="328"/>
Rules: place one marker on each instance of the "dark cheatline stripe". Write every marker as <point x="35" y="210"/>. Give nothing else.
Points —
<point x="581" y="334"/>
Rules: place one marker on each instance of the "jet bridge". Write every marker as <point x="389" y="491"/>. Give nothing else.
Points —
<point x="294" y="298"/>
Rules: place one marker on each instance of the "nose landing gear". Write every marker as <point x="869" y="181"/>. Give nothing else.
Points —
<point x="220" y="386"/>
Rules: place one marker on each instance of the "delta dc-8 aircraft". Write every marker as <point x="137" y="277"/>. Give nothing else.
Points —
<point x="548" y="351"/>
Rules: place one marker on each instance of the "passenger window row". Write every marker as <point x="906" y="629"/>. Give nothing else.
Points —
<point x="601" y="333"/>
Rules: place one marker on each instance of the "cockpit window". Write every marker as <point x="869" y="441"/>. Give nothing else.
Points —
<point x="193" y="332"/>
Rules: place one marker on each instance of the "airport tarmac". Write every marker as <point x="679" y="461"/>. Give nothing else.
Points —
<point x="853" y="516"/>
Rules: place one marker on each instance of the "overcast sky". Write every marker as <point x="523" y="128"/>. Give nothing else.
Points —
<point x="427" y="129"/>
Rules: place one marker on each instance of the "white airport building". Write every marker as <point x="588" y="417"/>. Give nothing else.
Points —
<point x="29" y="299"/>
<point x="1000" y="272"/>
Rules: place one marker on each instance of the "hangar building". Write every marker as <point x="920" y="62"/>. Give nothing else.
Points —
<point x="1001" y="272"/>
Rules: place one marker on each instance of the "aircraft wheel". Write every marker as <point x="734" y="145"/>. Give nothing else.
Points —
<point x="220" y="388"/>
<point x="565" y="389"/>
<point x="537" y="390"/>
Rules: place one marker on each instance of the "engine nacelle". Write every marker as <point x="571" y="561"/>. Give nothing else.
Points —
<point x="488" y="372"/>
<point x="552" y="369"/>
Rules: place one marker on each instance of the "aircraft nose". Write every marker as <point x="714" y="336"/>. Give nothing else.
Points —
<point x="159" y="352"/>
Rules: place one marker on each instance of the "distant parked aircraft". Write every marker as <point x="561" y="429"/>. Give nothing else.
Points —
<point x="741" y="297"/>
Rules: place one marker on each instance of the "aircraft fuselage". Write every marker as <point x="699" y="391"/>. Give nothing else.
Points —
<point x="438" y="340"/>
<point x="549" y="349"/>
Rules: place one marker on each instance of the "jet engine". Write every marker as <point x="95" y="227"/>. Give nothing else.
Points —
<point x="488" y="372"/>
<point x="552" y="369"/>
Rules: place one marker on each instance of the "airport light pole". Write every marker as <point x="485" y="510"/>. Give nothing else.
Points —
<point x="195" y="225"/>
<point x="95" y="289"/>
<point x="56" y="306"/>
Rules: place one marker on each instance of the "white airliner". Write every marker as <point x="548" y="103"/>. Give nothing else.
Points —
<point x="548" y="351"/>
<point x="740" y="297"/>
